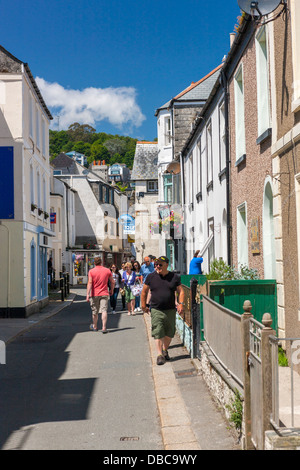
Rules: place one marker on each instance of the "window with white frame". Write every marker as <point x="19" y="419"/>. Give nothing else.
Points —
<point x="199" y="166"/>
<point x="43" y="137"/>
<point x="222" y="136"/>
<point x="31" y="115"/>
<point x="168" y="185"/>
<point x="32" y="184"/>
<point x="242" y="235"/>
<point x="152" y="186"/>
<point x="209" y="153"/>
<point x="262" y="78"/>
<point x="38" y="186"/>
<point x="240" y="143"/>
<point x="295" y="21"/>
<point x="37" y="128"/>
<point x="167" y="131"/>
<point x="191" y="179"/>
<point x="44" y="194"/>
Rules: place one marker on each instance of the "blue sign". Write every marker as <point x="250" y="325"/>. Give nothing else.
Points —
<point x="7" y="210"/>
<point x="128" y="223"/>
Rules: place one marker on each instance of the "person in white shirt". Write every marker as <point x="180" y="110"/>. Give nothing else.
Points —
<point x="117" y="278"/>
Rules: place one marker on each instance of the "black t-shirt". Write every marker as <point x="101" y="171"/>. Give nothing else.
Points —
<point x="163" y="289"/>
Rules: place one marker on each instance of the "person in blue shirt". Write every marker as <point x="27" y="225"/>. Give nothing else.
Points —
<point x="146" y="268"/>
<point x="195" y="264"/>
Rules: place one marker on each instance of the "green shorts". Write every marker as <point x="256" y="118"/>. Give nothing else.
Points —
<point x="128" y="295"/>
<point x="163" y="323"/>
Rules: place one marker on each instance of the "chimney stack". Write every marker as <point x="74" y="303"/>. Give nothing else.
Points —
<point x="232" y="38"/>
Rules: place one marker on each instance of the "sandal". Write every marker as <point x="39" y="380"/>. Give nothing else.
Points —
<point x="93" y="328"/>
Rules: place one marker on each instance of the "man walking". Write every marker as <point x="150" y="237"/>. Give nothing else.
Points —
<point x="163" y="286"/>
<point x="146" y="269"/>
<point x="97" y="293"/>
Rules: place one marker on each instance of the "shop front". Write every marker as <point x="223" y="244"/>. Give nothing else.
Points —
<point x="83" y="260"/>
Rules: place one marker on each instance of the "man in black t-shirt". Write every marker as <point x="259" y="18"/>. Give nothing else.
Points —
<point x="163" y="286"/>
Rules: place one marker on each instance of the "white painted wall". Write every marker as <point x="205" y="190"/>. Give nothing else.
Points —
<point x="212" y="206"/>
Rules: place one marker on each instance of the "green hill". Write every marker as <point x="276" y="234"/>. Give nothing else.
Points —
<point x="84" y="139"/>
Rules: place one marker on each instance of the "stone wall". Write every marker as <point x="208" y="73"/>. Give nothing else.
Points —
<point x="184" y="116"/>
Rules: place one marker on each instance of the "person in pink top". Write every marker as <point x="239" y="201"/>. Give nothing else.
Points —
<point x="98" y="294"/>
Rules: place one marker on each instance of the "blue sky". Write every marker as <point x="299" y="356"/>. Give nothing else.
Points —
<point x="114" y="62"/>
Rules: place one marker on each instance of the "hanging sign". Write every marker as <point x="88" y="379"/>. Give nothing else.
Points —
<point x="128" y="223"/>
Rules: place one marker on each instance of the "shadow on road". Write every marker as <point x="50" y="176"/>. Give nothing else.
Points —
<point x="30" y="386"/>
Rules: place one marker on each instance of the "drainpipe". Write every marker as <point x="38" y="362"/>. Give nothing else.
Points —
<point x="224" y="83"/>
<point x="183" y="209"/>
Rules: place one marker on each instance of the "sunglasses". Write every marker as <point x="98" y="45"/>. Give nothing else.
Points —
<point x="157" y="264"/>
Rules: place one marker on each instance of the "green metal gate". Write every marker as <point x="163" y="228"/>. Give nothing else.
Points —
<point x="261" y="293"/>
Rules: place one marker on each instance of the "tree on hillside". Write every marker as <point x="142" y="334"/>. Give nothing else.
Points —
<point x="82" y="147"/>
<point x="81" y="132"/>
<point x="99" y="152"/>
<point x="57" y="141"/>
<point x="115" y="146"/>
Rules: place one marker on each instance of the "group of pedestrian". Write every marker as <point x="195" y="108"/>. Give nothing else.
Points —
<point x="150" y="288"/>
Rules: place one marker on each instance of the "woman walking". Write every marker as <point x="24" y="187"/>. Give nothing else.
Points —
<point x="117" y="278"/>
<point x="136" y="269"/>
<point x="128" y="281"/>
<point x="122" y="291"/>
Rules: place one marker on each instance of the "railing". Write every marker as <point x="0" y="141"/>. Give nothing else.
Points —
<point x="191" y="315"/>
<point x="285" y="382"/>
<point x="187" y="306"/>
<point x="222" y="334"/>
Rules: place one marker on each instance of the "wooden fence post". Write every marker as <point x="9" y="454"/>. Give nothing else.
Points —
<point x="245" y="322"/>
<point x="266" y="364"/>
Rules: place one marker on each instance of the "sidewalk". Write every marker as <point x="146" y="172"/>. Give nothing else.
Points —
<point x="10" y="328"/>
<point x="190" y="420"/>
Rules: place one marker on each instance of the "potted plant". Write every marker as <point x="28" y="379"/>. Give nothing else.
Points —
<point x="40" y="211"/>
<point x="33" y="207"/>
<point x="46" y="215"/>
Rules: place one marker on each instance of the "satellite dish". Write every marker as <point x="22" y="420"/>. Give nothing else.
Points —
<point x="258" y="7"/>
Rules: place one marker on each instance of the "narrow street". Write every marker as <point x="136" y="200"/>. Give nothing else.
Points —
<point x="65" y="387"/>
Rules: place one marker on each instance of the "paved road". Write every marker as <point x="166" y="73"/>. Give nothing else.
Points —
<point x="65" y="387"/>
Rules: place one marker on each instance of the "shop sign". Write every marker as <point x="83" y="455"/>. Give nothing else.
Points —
<point x="128" y="223"/>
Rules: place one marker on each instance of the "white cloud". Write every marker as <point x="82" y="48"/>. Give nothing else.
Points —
<point x="91" y="105"/>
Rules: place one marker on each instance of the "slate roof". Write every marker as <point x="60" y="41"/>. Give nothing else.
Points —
<point x="66" y="164"/>
<point x="10" y="64"/>
<point x="145" y="161"/>
<point x="199" y="91"/>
